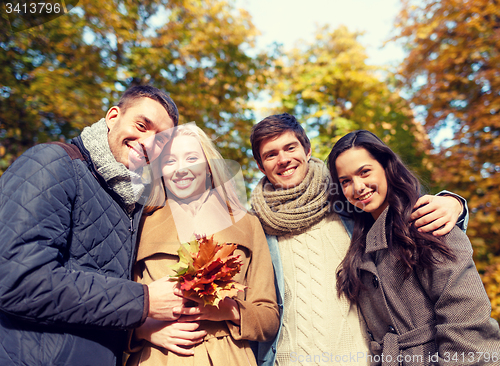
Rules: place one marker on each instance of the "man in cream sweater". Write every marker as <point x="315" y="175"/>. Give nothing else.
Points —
<point x="308" y="240"/>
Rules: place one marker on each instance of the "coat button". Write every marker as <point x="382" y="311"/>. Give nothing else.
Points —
<point x="375" y="281"/>
<point x="391" y="329"/>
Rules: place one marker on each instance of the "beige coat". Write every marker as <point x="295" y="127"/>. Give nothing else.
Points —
<point x="225" y="343"/>
<point x="438" y="316"/>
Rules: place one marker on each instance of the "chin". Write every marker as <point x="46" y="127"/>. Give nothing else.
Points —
<point x="181" y="196"/>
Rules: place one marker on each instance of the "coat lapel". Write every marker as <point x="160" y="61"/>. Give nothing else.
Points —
<point x="158" y="231"/>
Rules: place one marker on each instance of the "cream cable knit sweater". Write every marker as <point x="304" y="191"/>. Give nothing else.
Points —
<point x="318" y="327"/>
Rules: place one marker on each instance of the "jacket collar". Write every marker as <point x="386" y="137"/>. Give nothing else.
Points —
<point x="376" y="239"/>
<point x="158" y="233"/>
<point x="92" y="168"/>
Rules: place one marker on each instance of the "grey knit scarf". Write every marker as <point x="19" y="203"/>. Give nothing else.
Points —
<point x="293" y="210"/>
<point x="127" y="184"/>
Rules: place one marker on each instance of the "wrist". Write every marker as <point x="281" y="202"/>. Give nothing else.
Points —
<point x="460" y="206"/>
<point x="145" y="311"/>
<point x="138" y="333"/>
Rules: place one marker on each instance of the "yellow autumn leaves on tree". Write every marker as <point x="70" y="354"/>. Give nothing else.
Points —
<point x="453" y="72"/>
<point x="63" y="75"/>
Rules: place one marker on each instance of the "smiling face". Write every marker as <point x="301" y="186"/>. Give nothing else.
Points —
<point x="184" y="167"/>
<point x="284" y="160"/>
<point x="139" y="133"/>
<point x="363" y="180"/>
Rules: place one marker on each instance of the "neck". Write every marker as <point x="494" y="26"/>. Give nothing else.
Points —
<point x="192" y="204"/>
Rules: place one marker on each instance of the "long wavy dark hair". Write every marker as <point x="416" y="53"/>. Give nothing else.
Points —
<point x="412" y="247"/>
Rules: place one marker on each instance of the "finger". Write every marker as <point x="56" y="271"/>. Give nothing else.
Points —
<point x="423" y="200"/>
<point x="188" y="298"/>
<point x="195" y="337"/>
<point x="192" y="318"/>
<point x="181" y="350"/>
<point x="187" y="326"/>
<point x="433" y="225"/>
<point x="426" y="219"/>
<point x="444" y="230"/>
<point x="421" y="212"/>
<point x="195" y="299"/>
<point x="189" y="338"/>
<point x="187" y="310"/>
<point x="178" y="291"/>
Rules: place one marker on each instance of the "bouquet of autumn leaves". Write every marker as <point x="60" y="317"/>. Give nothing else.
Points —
<point x="206" y="270"/>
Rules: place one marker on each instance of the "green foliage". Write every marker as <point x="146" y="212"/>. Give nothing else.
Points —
<point x="63" y="75"/>
<point x="329" y="87"/>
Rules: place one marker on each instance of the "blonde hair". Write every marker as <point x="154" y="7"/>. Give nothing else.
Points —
<point x="219" y="172"/>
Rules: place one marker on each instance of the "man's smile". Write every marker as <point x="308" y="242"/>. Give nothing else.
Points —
<point x="287" y="172"/>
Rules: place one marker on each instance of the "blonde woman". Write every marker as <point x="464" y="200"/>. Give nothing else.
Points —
<point x="197" y="195"/>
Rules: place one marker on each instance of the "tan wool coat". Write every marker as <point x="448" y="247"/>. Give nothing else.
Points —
<point x="436" y="316"/>
<point x="225" y="343"/>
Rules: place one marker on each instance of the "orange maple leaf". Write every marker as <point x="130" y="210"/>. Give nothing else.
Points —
<point x="209" y="274"/>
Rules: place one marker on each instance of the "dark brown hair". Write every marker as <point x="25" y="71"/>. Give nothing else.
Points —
<point x="146" y="91"/>
<point x="274" y="126"/>
<point x="403" y="190"/>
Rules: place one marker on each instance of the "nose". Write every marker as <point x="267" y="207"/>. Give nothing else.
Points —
<point x="181" y="168"/>
<point x="148" y="144"/>
<point x="359" y="186"/>
<point x="181" y="172"/>
<point x="283" y="159"/>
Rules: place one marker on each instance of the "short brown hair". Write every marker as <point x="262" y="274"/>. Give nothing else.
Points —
<point x="273" y="127"/>
<point x="134" y="93"/>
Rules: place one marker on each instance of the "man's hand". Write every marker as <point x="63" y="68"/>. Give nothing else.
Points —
<point x="164" y="303"/>
<point x="436" y="214"/>
<point x="176" y="336"/>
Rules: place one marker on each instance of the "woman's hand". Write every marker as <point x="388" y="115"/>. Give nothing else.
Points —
<point x="228" y="310"/>
<point x="177" y="336"/>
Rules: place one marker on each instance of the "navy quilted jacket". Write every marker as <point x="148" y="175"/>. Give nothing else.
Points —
<point x="66" y="253"/>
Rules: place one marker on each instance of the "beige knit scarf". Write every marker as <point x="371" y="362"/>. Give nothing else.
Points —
<point x="127" y="184"/>
<point x="293" y="210"/>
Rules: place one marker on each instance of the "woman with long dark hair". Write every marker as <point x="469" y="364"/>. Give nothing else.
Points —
<point x="420" y="295"/>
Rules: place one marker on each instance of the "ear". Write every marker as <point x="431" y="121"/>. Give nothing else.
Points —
<point x="260" y="168"/>
<point x="112" y="116"/>
<point x="308" y="155"/>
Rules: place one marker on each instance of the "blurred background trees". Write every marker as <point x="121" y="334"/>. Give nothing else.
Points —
<point x="63" y="75"/>
<point x="452" y="73"/>
<point x="329" y="87"/>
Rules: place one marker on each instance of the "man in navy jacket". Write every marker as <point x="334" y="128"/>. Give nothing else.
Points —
<point x="68" y="230"/>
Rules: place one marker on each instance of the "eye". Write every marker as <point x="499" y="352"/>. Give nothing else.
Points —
<point x="141" y="126"/>
<point x="291" y="148"/>
<point x="160" y="140"/>
<point x="365" y="172"/>
<point x="168" y="161"/>
<point x="192" y="159"/>
<point x="344" y="182"/>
